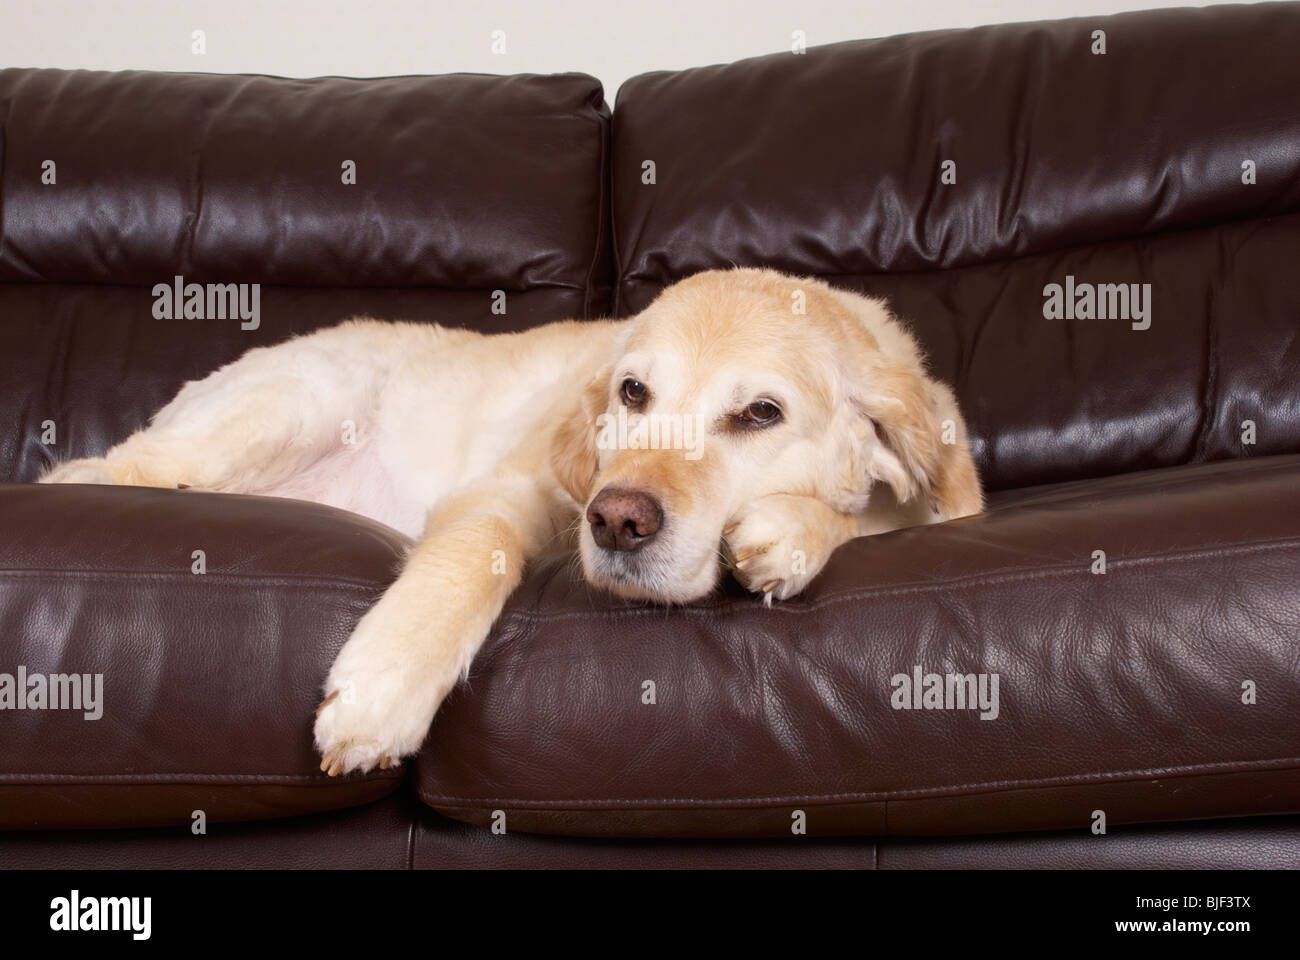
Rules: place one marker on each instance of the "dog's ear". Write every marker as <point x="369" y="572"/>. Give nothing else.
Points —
<point x="573" y="445"/>
<point x="922" y="450"/>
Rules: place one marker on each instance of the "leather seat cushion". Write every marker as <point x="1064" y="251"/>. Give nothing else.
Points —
<point x="1124" y="691"/>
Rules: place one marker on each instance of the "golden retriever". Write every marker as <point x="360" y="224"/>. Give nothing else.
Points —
<point x="745" y="419"/>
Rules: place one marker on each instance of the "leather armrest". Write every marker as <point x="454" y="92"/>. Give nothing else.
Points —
<point x="202" y="684"/>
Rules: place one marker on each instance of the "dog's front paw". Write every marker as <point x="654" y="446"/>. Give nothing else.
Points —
<point x="778" y="543"/>
<point x="80" y="471"/>
<point x="365" y="722"/>
<point x="378" y="707"/>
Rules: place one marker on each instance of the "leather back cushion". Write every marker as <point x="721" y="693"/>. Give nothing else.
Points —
<point x="1115" y="168"/>
<point x="464" y="185"/>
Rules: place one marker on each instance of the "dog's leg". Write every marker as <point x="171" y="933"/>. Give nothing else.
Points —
<point x="252" y="438"/>
<point x="249" y="425"/>
<point x="778" y="543"/>
<point x="413" y="646"/>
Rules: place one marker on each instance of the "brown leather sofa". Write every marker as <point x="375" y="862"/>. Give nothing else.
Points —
<point x="1163" y="693"/>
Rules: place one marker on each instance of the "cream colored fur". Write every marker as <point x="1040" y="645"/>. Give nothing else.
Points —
<point x="486" y="450"/>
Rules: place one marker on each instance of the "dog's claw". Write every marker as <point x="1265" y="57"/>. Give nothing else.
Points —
<point x="336" y="768"/>
<point x="326" y="702"/>
<point x="385" y="763"/>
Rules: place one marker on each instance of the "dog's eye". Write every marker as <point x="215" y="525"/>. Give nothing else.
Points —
<point x="760" y="413"/>
<point x="633" y="392"/>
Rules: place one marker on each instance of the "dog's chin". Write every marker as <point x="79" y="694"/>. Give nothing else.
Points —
<point x="642" y="576"/>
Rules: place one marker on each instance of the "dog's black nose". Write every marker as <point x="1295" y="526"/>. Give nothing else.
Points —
<point x="624" y="519"/>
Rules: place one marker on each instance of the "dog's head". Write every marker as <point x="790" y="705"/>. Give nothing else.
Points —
<point x="734" y="385"/>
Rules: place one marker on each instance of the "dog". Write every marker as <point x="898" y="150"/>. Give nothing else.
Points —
<point x="745" y="420"/>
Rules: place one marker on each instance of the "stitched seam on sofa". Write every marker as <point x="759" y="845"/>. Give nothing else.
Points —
<point x="535" y="286"/>
<point x="917" y="793"/>
<point x="1024" y="574"/>
<point x="1085" y="246"/>
<point x="1209" y="404"/>
<point x="227" y="579"/>
<point x="1096" y="490"/>
<point x="603" y="187"/>
<point x="616" y="251"/>
<point x="180" y="779"/>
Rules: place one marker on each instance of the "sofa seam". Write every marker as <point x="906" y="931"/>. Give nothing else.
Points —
<point x="1210" y="388"/>
<point x="605" y="124"/>
<point x="1055" y="251"/>
<point x="950" y="791"/>
<point x="533" y="286"/>
<point x="225" y="579"/>
<point x="616" y="253"/>
<point x="1024" y="573"/>
<point x="183" y="779"/>
<point x="1015" y="575"/>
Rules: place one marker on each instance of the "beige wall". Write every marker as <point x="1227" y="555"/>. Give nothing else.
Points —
<point x="611" y="39"/>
